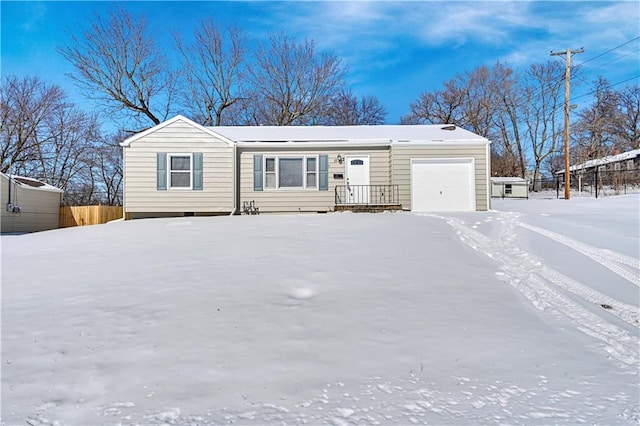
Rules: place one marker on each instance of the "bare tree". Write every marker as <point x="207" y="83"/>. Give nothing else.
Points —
<point x="347" y="110"/>
<point x="64" y="145"/>
<point x="595" y="132"/>
<point x="438" y="107"/>
<point x="213" y="66"/>
<point x="119" y="65"/>
<point x="509" y="147"/>
<point x="468" y="100"/>
<point x="543" y="103"/>
<point x="627" y="129"/>
<point x="44" y="136"/>
<point x="292" y="83"/>
<point x="108" y="169"/>
<point x="25" y="103"/>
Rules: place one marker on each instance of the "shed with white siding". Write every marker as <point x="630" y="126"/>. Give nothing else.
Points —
<point x="509" y="187"/>
<point x="28" y="205"/>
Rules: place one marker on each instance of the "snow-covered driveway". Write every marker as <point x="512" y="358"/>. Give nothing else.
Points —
<point x="527" y="314"/>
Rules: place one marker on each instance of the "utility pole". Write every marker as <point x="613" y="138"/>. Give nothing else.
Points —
<point x="567" y="82"/>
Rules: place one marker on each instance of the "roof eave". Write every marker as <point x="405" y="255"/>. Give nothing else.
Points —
<point x="127" y="142"/>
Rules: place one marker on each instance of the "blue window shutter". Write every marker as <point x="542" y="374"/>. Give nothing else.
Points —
<point x="197" y="171"/>
<point x="162" y="171"/>
<point x="323" y="175"/>
<point x="257" y="172"/>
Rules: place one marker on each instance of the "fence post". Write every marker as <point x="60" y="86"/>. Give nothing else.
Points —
<point x="596" y="182"/>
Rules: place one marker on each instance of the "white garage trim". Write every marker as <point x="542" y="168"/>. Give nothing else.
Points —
<point x="443" y="184"/>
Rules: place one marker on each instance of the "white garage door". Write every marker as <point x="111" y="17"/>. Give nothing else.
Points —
<point x="442" y="185"/>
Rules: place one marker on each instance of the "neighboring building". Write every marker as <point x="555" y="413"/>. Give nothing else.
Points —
<point x="509" y="187"/>
<point x="182" y="168"/>
<point x="28" y="205"/>
<point x="627" y="161"/>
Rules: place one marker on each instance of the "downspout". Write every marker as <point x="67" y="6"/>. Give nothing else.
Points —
<point x="488" y="154"/>
<point x="124" y="184"/>
<point x="236" y="180"/>
<point x="9" y="206"/>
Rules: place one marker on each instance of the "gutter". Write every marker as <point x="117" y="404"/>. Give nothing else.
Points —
<point x="315" y="144"/>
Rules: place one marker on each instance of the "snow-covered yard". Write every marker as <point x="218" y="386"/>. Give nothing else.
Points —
<point x="527" y="314"/>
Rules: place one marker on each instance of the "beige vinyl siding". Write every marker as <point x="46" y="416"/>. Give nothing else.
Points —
<point x="401" y="167"/>
<point x="308" y="200"/>
<point x="40" y="209"/>
<point x="140" y="187"/>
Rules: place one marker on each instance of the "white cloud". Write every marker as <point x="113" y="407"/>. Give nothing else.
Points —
<point x="35" y="13"/>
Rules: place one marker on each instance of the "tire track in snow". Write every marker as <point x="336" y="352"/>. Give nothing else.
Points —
<point x="607" y="258"/>
<point x="528" y="275"/>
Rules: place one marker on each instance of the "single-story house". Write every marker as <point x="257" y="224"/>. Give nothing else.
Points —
<point x="182" y="168"/>
<point x="29" y="205"/>
<point x="509" y="187"/>
<point x="626" y="161"/>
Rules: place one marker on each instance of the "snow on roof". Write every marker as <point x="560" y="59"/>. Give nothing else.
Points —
<point x="502" y="179"/>
<point x="384" y="134"/>
<point x="31" y="183"/>
<point x="605" y="160"/>
<point x="341" y="135"/>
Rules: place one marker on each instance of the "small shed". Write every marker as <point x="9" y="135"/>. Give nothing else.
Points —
<point x="509" y="187"/>
<point x="28" y="205"/>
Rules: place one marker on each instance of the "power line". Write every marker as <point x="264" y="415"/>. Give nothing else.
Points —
<point x="610" y="50"/>
<point x="582" y="76"/>
<point x="607" y="87"/>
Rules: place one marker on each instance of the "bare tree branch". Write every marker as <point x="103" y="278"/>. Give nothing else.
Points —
<point x="213" y="69"/>
<point x="118" y="65"/>
<point x="292" y="83"/>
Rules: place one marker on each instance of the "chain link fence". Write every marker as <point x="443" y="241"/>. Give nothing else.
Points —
<point x="592" y="183"/>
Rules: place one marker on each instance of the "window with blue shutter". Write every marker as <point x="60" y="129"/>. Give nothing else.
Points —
<point x="161" y="177"/>
<point x="197" y="171"/>
<point x="257" y="172"/>
<point x="323" y="173"/>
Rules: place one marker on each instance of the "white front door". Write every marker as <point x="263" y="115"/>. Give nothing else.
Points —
<point x="357" y="179"/>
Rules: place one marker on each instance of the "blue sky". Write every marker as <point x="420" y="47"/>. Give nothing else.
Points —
<point x="393" y="50"/>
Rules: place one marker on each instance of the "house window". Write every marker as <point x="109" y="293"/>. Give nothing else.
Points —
<point x="311" y="172"/>
<point x="180" y="170"/>
<point x="601" y="168"/>
<point x="616" y="166"/>
<point x="270" y="173"/>
<point x="507" y="188"/>
<point x="291" y="172"/>
<point x="629" y="164"/>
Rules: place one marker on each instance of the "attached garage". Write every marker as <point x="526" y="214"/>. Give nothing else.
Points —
<point x="446" y="171"/>
<point x="442" y="184"/>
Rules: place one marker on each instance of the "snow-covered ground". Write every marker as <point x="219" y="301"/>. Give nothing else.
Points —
<point x="526" y="314"/>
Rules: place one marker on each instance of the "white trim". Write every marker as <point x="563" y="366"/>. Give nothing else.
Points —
<point x="276" y="171"/>
<point x="456" y="160"/>
<point x="432" y="142"/>
<point x="179" y="188"/>
<point x="44" y="187"/>
<point x="127" y="142"/>
<point x="315" y="144"/>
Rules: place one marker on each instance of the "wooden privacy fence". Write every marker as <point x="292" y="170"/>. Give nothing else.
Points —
<point x="88" y="215"/>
